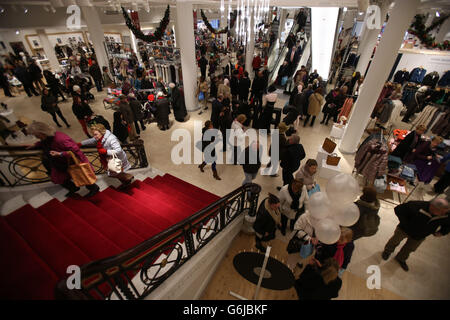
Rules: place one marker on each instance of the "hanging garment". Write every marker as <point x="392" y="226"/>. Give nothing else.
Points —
<point x="432" y="118"/>
<point x="401" y="76"/>
<point x="395" y="115"/>
<point x="385" y="115"/>
<point x="431" y="79"/>
<point x="173" y="75"/>
<point x="438" y="118"/>
<point x="371" y="160"/>
<point x="346" y="108"/>
<point x="423" y="116"/>
<point x="426" y="169"/>
<point x="441" y="125"/>
<point x="445" y="80"/>
<point x="417" y="75"/>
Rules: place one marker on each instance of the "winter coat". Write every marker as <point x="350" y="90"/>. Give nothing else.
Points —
<point x="23" y="75"/>
<point x="258" y="85"/>
<point x="239" y="135"/>
<point x="178" y="105"/>
<point x="162" y="113"/>
<point x="423" y="150"/>
<point x="303" y="225"/>
<point x="371" y="160"/>
<point x="308" y="179"/>
<point x="368" y="222"/>
<point x="316" y="101"/>
<point x="120" y="130"/>
<point x="82" y="110"/>
<point x="234" y="86"/>
<point x="406" y="145"/>
<point x="293" y="154"/>
<point x="136" y="108"/>
<point x="60" y="142"/>
<point x="310" y="285"/>
<point x="244" y="88"/>
<point x="126" y="111"/>
<point x="112" y="145"/>
<point x="264" y="222"/>
<point x="325" y="251"/>
<point x="249" y="154"/>
<point x="107" y="79"/>
<point x="286" y="201"/>
<point x="95" y="72"/>
<point x="216" y="107"/>
<point x="417" y="222"/>
<point x="35" y="72"/>
<point x="225" y="91"/>
<point x="49" y="103"/>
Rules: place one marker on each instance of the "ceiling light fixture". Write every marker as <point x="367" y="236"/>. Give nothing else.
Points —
<point x="437" y="14"/>
<point x="345" y="9"/>
<point x="2" y="10"/>
<point x="25" y="10"/>
<point x="17" y="31"/>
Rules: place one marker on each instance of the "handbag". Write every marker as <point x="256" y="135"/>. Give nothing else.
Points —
<point x="333" y="159"/>
<point x="115" y="164"/>
<point x="81" y="173"/>
<point x="306" y="249"/>
<point x="328" y="145"/>
<point x="294" y="244"/>
<point x="201" y="96"/>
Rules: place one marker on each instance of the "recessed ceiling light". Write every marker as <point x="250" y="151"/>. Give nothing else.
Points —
<point x="2" y="10"/>
<point x="345" y="9"/>
<point x="25" y="10"/>
<point x="17" y="32"/>
<point x="437" y="14"/>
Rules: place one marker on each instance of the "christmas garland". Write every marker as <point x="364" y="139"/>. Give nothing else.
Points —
<point x="418" y="29"/>
<point x="157" y="35"/>
<point x="211" y="28"/>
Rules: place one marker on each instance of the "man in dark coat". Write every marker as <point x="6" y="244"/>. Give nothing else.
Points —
<point x="96" y="74"/>
<point x="178" y="104"/>
<point x="4" y="81"/>
<point x="136" y="107"/>
<point x="203" y="63"/>
<point x="24" y="76"/>
<point x="128" y="116"/>
<point x="82" y="112"/>
<point x="244" y="87"/>
<point x="293" y="154"/>
<point x="268" y="218"/>
<point x="234" y="85"/>
<point x="418" y="220"/>
<point x="162" y="111"/>
<point x="409" y="143"/>
<point x="215" y="112"/>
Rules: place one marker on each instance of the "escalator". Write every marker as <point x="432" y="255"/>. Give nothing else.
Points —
<point x="278" y="55"/>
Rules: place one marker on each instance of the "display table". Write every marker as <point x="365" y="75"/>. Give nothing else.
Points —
<point x="337" y="131"/>
<point x="9" y="114"/>
<point x="327" y="171"/>
<point x="402" y="188"/>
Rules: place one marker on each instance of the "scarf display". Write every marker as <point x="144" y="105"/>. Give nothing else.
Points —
<point x="339" y="255"/>
<point x="103" y="159"/>
<point x="275" y="214"/>
<point x="295" y="198"/>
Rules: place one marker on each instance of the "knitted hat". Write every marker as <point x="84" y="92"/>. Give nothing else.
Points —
<point x="369" y="194"/>
<point x="76" y="88"/>
<point x="151" y="97"/>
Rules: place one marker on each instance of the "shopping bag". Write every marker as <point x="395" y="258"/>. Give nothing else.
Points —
<point x="314" y="190"/>
<point x="201" y="96"/>
<point x="81" y="173"/>
<point x="306" y="249"/>
<point x="328" y="145"/>
<point x="115" y="164"/>
<point x="294" y="244"/>
<point x="333" y="159"/>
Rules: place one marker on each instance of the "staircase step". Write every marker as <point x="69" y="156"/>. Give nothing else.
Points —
<point x="123" y="237"/>
<point x="78" y="231"/>
<point x="190" y="188"/>
<point x="151" y="216"/>
<point x="168" y="216"/>
<point x="24" y="275"/>
<point x="50" y="244"/>
<point x="12" y="205"/>
<point x="124" y="214"/>
<point x="185" y="209"/>
<point x="40" y="199"/>
<point x="196" y="203"/>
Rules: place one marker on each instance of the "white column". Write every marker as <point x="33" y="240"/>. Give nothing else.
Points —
<point x="48" y="49"/>
<point x="399" y="21"/>
<point x="95" y="29"/>
<point x="283" y="15"/>
<point x="186" y="43"/>
<point x="223" y="24"/>
<point x="369" y="41"/>
<point x="251" y="43"/>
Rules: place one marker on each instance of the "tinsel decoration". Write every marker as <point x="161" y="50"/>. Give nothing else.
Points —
<point x="159" y="32"/>
<point x="418" y="29"/>
<point x="221" y="31"/>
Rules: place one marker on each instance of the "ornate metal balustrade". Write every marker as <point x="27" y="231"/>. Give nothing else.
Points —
<point x="22" y="167"/>
<point x="137" y="272"/>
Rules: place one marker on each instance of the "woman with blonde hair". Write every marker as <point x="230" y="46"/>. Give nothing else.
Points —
<point x="108" y="145"/>
<point x="56" y="147"/>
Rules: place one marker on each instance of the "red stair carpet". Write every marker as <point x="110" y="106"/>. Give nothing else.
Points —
<point x="37" y="245"/>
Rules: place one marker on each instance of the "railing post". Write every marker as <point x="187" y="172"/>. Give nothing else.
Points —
<point x="189" y="240"/>
<point x="222" y="216"/>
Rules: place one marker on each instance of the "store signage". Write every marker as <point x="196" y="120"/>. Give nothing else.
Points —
<point x="135" y="19"/>
<point x="74" y="20"/>
<point x="373" y="15"/>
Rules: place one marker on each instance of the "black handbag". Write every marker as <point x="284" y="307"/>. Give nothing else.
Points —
<point x="294" y="244"/>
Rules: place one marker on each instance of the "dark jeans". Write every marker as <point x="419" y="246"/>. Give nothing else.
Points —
<point x="59" y="113"/>
<point x="98" y="84"/>
<point x="443" y="183"/>
<point x="287" y="176"/>
<point x="307" y="119"/>
<point x="137" y="126"/>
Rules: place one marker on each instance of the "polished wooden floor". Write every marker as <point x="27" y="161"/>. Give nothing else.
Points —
<point x="227" y="279"/>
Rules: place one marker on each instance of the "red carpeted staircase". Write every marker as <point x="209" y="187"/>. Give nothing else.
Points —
<point x="37" y="245"/>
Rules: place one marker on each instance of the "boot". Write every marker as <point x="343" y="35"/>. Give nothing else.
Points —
<point x="215" y="175"/>
<point x="202" y="166"/>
